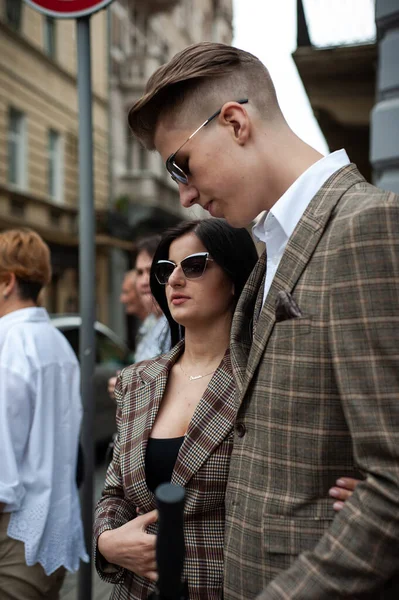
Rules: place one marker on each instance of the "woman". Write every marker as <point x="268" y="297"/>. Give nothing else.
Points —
<point x="40" y="412"/>
<point x="175" y="415"/>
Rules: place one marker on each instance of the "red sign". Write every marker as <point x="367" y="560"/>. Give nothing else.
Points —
<point x="68" y="9"/>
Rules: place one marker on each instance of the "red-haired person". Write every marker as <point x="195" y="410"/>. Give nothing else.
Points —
<point x="40" y="413"/>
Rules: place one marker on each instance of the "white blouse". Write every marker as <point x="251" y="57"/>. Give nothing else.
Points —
<point x="40" y="416"/>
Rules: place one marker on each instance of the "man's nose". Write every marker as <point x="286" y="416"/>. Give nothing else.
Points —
<point x="188" y="195"/>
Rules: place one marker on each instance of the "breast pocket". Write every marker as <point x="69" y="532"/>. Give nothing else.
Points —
<point x="292" y="328"/>
<point x="282" y="535"/>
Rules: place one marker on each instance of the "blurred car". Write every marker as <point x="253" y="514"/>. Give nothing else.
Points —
<point x="111" y="354"/>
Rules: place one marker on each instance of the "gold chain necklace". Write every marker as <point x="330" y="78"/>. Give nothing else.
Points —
<point x="194" y="377"/>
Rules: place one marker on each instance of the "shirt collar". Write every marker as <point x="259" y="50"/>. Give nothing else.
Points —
<point x="290" y="207"/>
<point x="21" y="315"/>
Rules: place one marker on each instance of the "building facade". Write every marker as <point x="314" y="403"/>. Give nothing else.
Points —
<point x="385" y="115"/>
<point x="39" y="149"/>
<point x="39" y="132"/>
<point x="145" y="34"/>
<point x="337" y="60"/>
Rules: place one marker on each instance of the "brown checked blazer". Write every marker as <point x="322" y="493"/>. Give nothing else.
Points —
<point x="318" y="398"/>
<point x="201" y="467"/>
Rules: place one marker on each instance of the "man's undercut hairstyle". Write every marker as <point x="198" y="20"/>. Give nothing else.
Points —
<point x="199" y="80"/>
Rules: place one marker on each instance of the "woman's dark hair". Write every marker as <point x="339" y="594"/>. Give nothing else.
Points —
<point x="232" y="249"/>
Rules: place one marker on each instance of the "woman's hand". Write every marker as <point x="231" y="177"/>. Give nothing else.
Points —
<point x="131" y="547"/>
<point x="342" y="491"/>
<point x="111" y="385"/>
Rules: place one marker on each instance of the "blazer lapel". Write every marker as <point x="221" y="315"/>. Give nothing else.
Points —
<point x="259" y="298"/>
<point x="146" y="402"/>
<point x="248" y="305"/>
<point x="211" y="423"/>
<point x="297" y="254"/>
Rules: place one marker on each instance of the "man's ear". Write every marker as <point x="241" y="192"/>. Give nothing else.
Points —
<point x="236" y="117"/>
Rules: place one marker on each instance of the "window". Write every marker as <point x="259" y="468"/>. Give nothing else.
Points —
<point x="136" y="157"/>
<point x="116" y="31"/>
<point x="55" y="166"/>
<point x="129" y="149"/>
<point x="16" y="148"/>
<point x="14" y="13"/>
<point x="143" y="156"/>
<point x="50" y="37"/>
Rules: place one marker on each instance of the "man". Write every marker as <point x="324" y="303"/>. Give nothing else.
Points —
<point x="153" y="336"/>
<point x="154" y="333"/>
<point x="130" y="297"/>
<point x="131" y="300"/>
<point x="315" y="336"/>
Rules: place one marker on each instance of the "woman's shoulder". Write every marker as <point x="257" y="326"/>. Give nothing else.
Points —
<point x="144" y="368"/>
<point x="134" y="371"/>
<point x="150" y="368"/>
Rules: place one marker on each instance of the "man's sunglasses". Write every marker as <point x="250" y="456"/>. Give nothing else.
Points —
<point x="193" y="267"/>
<point x="177" y="172"/>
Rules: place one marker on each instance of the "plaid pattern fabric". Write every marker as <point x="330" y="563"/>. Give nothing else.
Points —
<point x="318" y="399"/>
<point x="201" y="467"/>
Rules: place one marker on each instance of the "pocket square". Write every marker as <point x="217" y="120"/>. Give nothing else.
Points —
<point x="286" y="307"/>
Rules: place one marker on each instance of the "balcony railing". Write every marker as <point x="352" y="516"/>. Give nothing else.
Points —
<point x="154" y="6"/>
<point x="136" y="70"/>
<point x="337" y="23"/>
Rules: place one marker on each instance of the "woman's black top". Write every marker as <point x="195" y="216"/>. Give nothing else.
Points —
<point x="160" y="459"/>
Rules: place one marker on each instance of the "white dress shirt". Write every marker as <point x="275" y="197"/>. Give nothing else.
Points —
<point x="277" y="225"/>
<point x="40" y="415"/>
<point x="155" y="338"/>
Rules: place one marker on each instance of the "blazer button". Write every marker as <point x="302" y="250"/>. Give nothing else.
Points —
<point x="240" y="430"/>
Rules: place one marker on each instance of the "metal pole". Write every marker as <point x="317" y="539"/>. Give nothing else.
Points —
<point x="87" y="270"/>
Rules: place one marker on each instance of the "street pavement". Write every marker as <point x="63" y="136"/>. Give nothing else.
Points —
<point x="101" y="590"/>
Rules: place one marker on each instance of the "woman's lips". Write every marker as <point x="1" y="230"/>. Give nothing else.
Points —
<point x="179" y="300"/>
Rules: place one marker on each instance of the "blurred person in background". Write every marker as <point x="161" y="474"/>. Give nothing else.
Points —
<point x="41" y="531"/>
<point x="134" y="307"/>
<point x="130" y="298"/>
<point x="153" y="337"/>
<point x="154" y="334"/>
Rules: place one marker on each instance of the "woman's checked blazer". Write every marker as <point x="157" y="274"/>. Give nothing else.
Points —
<point x="202" y="468"/>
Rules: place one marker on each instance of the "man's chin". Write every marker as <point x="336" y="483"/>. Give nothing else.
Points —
<point x="236" y="222"/>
